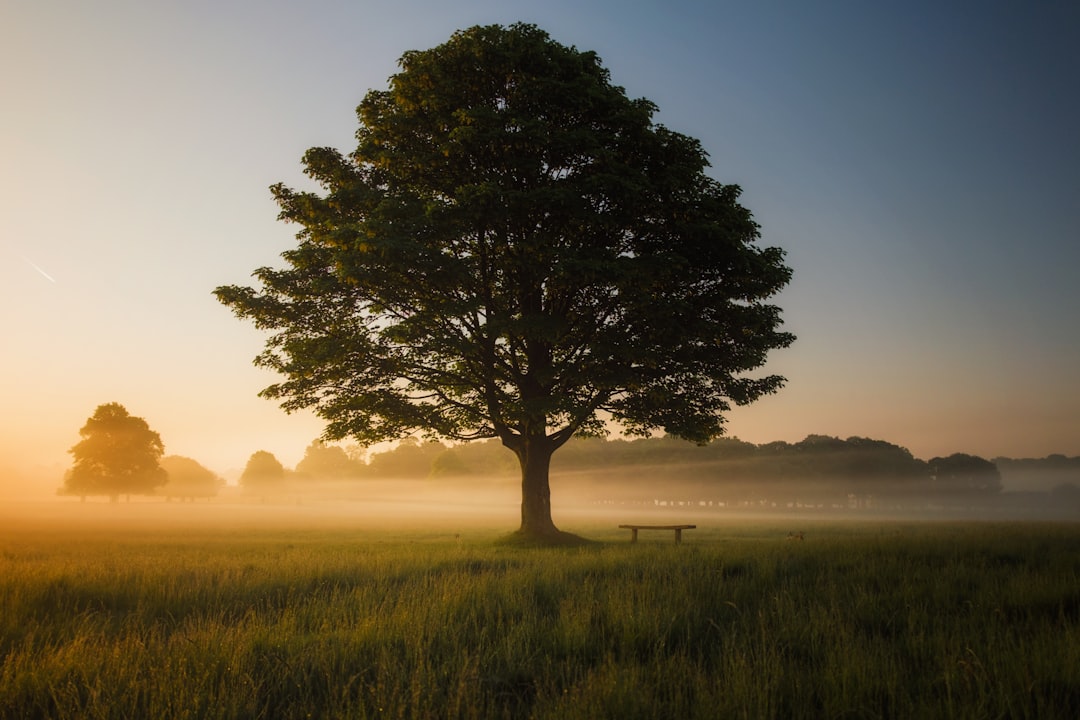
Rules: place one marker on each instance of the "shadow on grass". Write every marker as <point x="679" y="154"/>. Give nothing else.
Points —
<point x="555" y="539"/>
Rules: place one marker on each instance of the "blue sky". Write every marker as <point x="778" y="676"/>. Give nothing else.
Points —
<point x="919" y="161"/>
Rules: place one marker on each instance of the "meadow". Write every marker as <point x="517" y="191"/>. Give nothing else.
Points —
<point x="190" y="611"/>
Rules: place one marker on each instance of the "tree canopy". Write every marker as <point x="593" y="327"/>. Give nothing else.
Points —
<point x="322" y="461"/>
<point x="262" y="472"/>
<point x="188" y="478"/>
<point x="409" y="459"/>
<point x="966" y="472"/>
<point x="118" y="455"/>
<point x="516" y="250"/>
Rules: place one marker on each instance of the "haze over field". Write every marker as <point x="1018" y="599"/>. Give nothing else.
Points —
<point x="919" y="164"/>
<point x="430" y="487"/>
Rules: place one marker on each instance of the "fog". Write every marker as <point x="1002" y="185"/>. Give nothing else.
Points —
<point x="403" y="505"/>
<point x="452" y="507"/>
<point x="432" y="487"/>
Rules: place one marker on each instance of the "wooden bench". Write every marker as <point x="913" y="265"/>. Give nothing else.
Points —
<point x="677" y="528"/>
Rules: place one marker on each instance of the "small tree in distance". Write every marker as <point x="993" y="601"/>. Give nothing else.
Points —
<point x="262" y="473"/>
<point x="515" y="250"/>
<point x="188" y="478"/>
<point x="328" y="462"/>
<point x="411" y="458"/>
<point x="118" y="455"/>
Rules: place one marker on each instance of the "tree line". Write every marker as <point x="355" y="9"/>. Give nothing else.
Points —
<point x="856" y="463"/>
<point x="120" y="455"/>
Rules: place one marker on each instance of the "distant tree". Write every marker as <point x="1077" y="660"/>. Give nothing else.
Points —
<point x="483" y="457"/>
<point x="188" y="479"/>
<point x="776" y="447"/>
<point x="515" y="250"/>
<point x="965" y="473"/>
<point x="588" y="452"/>
<point x="731" y="448"/>
<point x="1038" y="474"/>
<point x="449" y="463"/>
<point x="263" y="472"/>
<point x="869" y="459"/>
<point x="410" y="459"/>
<point x="328" y="462"/>
<point x="857" y="459"/>
<point x="820" y="444"/>
<point x="357" y="453"/>
<point x="118" y="455"/>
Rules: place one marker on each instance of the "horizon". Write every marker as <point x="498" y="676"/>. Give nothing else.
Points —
<point x="42" y="482"/>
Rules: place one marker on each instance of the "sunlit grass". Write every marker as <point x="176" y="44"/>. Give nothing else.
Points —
<point x="856" y="621"/>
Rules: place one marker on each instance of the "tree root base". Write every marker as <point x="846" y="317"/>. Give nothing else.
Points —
<point x="553" y="538"/>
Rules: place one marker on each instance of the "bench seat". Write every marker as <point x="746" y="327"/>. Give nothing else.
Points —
<point x="677" y="528"/>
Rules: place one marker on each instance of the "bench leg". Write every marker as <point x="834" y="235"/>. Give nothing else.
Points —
<point x="633" y="535"/>
<point x="678" y="535"/>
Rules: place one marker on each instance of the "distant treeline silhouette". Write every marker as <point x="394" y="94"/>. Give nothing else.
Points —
<point x="817" y="464"/>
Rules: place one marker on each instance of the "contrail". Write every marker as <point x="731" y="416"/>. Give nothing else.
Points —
<point x="34" y="265"/>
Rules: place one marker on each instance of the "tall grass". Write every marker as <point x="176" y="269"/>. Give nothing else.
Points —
<point x="856" y="621"/>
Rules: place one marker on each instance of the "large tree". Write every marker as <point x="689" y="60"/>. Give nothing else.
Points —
<point x="515" y="250"/>
<point x="118" y="455"/>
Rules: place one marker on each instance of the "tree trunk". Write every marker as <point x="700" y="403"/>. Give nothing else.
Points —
<point x="534" y="454"/>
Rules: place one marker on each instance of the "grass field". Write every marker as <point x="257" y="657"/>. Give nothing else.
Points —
<point x="130" y="612"/>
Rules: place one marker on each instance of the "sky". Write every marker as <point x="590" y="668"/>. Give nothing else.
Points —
<point x="919" y="162"/>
